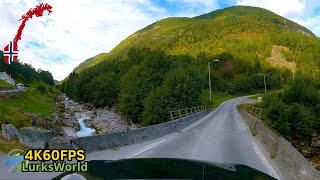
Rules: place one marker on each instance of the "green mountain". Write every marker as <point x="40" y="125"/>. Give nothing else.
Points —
<point x="243" y="31"/>
<point x="165" y="65"/>
<point x="91" y="61"/>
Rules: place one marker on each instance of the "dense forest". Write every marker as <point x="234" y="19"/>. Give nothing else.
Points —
<point x="150" y="83"/>
<point x="295" y="111"/>
<point x="165" y="65"/>
<point x="25" y="73"/>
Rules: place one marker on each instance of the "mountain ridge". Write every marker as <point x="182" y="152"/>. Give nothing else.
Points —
<point x="173" y="27"/>
<point x="164" y="66"/>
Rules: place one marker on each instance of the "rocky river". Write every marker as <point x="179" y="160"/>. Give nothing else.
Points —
<point x="84" y="120"/>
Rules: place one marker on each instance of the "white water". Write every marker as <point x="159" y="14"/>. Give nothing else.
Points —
<point x="66" y="98"/>
<point x="84" y="131"/>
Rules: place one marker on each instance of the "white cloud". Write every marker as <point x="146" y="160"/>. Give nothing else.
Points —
<point x="75" y="30"/>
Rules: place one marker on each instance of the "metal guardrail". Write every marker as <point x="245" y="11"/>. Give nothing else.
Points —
<point x="176" y="114"/>
<point x="253" y="110"/>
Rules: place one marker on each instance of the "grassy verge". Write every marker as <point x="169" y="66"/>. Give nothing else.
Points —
<point x="216" y="99"/>
<point x="13" y="110"/>
<point x="253" y="132"/>
<point x="35" y="84"/>
<point x="5" y="85"/>
<point x="219" y="98"/>
<point x="255" y="97"/>
<point x="6" y="146"/>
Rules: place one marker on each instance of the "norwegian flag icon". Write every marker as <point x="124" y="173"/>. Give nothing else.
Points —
<point x="10" y="53"/>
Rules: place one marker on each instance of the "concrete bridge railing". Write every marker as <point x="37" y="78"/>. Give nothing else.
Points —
<point x="289" y="160"/>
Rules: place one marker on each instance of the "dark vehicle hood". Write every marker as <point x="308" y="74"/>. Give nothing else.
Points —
<point x="166" y="168"/>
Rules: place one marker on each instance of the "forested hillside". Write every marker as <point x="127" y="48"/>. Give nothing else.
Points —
<point x="243" y="31"/>
<point x="165" y="65"/>
<point x="25" y="73"/>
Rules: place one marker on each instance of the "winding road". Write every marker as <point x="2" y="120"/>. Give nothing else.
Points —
<point x="222" y="136"/>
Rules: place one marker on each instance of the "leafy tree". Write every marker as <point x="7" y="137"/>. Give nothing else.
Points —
<point x="46" y="76"/>
<point x="180" y="89"/>
<point x="257" y="64"/>
<point x="295" y="111"/>
<point x="227" y="70"/>
<point x="105" y="89"/>
<point x="302" y="122"/>
<point x="274" y="107"/>
<point x="137" y="83"/>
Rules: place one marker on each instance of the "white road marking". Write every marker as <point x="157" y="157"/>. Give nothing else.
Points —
<point x="194" y="131"/>
<point x="273" y="139"/>
<point x="146" y="148"/>
<point x="265" y="161"/>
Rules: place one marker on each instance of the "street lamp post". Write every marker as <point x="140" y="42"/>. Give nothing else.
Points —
<point x="265" y="84"/>
<point x="217" y="60"/>
<point x="209" y="80"/>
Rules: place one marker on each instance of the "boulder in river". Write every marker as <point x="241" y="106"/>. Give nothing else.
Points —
<point x="9" y="132"/>
<point x="107" y="121"/>
<point x="34" y="137"/>
<point x="68" y="132"/>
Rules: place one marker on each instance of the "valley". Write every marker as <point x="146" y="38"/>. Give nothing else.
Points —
<point x="255" y="75"/>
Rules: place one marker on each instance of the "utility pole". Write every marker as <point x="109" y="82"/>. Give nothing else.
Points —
<point x="265" y="83"/>
<point x="209" y="80"/>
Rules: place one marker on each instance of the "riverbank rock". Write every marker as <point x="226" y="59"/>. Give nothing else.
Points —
<point x="34" y="137"/>
<point x="9" y="132"/>
<point x="68" y="132"/>
<point x="61" y="143"/>
<point x="103" y="120"/>
<point x="90" y="114"/>
<point x="315" y="141"/>
<point x="70" y="121"/>
<point x="107" y="121"/>
<point x="72" y="107"/>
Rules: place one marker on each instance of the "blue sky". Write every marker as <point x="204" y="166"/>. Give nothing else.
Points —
<point x="80" y="29"/>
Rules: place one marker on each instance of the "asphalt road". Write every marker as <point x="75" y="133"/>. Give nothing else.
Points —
<point x="10" y="90"/>
<point x="221" y="136"/>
